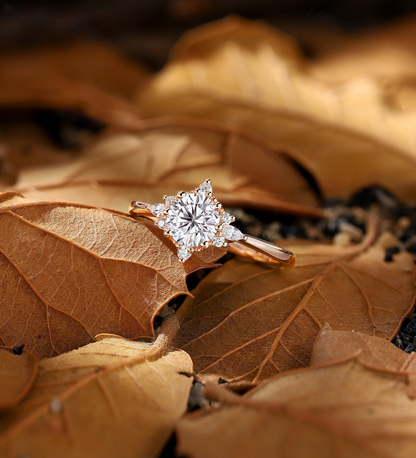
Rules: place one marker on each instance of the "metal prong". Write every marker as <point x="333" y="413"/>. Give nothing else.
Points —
<point x="207" y="181"/>
<point x="180" y="194"/>
<point x="218" y="206"/>
<point x="205" y="245"/>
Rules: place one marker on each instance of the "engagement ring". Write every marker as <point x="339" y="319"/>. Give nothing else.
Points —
<point x="195" y="220"/>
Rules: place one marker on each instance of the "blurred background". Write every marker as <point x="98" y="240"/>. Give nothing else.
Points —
<point x="147" y="29"/>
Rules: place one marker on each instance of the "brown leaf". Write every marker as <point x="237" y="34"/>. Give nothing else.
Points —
<point x="110" y="398"/>
<point x="22" y="85"/>
<point x="92" y="63"/>
<point x="175" y="154"/>
<point x="249" y="322"/>
<point x="341" y="410"/>
<point x="334" y="346"/>
<point x="386" y="51"/>
<point x="69" y="272"/>
<point x="23" y="143"/>
<point x="248" y="74"/>
<point x="17" y="374"/>
<point x="373" y="352"/>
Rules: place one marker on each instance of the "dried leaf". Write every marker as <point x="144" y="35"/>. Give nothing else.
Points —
<point x="341" y="410"/>
<point x="248" y="74"/>
<point x="175" y="154"/>
<point x="92" y="63"/>
<point x="110" y="398"/>
<point x="373" y="352"/>
<point x="250" y="322"/>
<point x="20" y="88"/>
<point x="383" y="52"/>
<point x="69" y="272"/>
<point x="17" y="374"/>
<point x="334" y="346"/>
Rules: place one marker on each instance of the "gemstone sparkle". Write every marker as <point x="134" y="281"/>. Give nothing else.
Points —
<point x="191" y="220"/>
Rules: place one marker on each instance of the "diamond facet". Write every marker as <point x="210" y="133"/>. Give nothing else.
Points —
<point x="232" y="233"/>
<point x="218" y="241"/>
<point x="157" y="209"/>
<point x="191" y="220"/>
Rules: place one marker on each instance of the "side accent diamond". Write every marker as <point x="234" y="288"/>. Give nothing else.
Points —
<point x="183" y="253"/>
<point x="157" y="209"/>
<point x="205" y="187"/>
<point x="218" y="241"/>
<point x="232" y="233"/>
<point x="227" y="218"/>
<point x="169" y="200"/>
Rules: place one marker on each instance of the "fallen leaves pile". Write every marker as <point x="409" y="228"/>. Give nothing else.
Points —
<point x="97" y="358"/>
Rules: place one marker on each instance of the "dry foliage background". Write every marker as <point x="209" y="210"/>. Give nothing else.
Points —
<point x="304" y="355"/>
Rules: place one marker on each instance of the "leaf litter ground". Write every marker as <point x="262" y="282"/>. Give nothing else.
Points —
<point x="356" y="273"/>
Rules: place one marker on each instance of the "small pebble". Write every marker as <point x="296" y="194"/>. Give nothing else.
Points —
<point x="55" y="406"/>
<point x="355" y="233"/>
<point x="196" y="397"/>
<point x="390" y="251"/>
<point x="404" y="223"/>
<point x="157" y="321"/>
<point x="342" y="239"/>
<point x="18" y="350"/>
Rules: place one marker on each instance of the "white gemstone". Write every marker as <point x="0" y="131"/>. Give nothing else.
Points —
<point x="169" y="200"/>
<point x="232" y="233"/>
<point x="192" y="219"/>
<point x="184" y="254"/>
<point x="157" y="209"/>
<point x="227" y="218"/>
<point x="218" y="241"/>
<point x="160" y="224"/>
<point x="205" y="187"/>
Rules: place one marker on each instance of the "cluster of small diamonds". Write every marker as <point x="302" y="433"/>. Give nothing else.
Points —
<point x="195" y="221"/>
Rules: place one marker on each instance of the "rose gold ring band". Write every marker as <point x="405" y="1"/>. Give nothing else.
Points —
<point x="250" y="247"/>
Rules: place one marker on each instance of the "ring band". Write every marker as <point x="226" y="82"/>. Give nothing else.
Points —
<point x="195" y="221"/>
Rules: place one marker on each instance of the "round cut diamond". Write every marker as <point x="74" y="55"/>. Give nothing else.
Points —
<point x="192" y="219"/>
<point x="218" y="241"/>
<point x="157" y="209"/>
<point x="205" y="187"/>
<point x="161" y="224"/>
<point x="169" y="200"/>
<point x="227" y="218"/>
<point x="184" y="254"/>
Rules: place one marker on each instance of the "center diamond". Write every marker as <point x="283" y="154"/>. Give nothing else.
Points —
<point x="191" y="219"/>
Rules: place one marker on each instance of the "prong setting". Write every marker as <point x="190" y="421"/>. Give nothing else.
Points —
<point x="195" y="221"/>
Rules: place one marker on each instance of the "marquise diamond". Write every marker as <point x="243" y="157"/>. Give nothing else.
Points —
<point x="232" y="233"/>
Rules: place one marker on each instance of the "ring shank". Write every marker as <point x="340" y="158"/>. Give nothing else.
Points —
<point x="263" y="251"/>
<point x="250" y="247"/>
